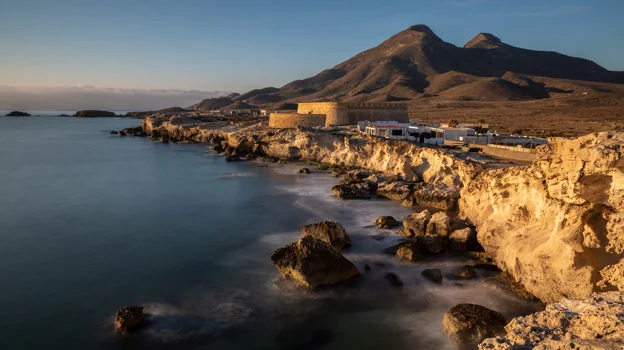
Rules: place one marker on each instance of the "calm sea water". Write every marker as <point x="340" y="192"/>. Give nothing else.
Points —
<point x="90" y="222"/>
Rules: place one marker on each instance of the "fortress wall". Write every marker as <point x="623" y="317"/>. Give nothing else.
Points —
<point x="336" y="112"/>
<point x="378" y="114"/>
<point x="294" y="120"/>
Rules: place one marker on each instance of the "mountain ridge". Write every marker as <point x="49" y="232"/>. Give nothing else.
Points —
<point x="415" y="63"/>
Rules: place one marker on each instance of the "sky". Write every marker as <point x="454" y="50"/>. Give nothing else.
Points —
<point x="187" y="49"/>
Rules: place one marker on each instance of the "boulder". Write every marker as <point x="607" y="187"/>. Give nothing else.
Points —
<point x="465" y="272"/>
<point x="394" y="279"/>
<point x="386" y="222"/>
<point x="460" y="240"/>
<point x="218" y="148"/>
<point x="594" y="322"/>
<point x="355" y="190"/>
<point x="129" y="318"/>
<point x="330" y="232"/>
<point x="367" y="267"/>
<point x="409" y="252"/>
<point x="113" y="132"/>
<point x="439" y="225"/>
<point x="313" y="263"/>
<point x="304" y="171"/>
<point x="433" y="243"/>
<point x="433" y="275"/>
<point x="470" y="324"/>
<point x="415" y="224"/>
<point x="398" y="190"/>
<point x="232" y="158"/>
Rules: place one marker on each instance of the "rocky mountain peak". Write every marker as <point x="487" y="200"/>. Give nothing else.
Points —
<point x="484" y="41"/>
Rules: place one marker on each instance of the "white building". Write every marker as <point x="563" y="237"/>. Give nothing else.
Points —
<point x="386" y="129"/>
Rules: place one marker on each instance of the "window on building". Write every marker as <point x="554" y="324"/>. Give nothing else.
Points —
<point x="397" y="132"/>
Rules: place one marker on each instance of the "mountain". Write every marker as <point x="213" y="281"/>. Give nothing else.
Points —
<point x="416" y="63"/>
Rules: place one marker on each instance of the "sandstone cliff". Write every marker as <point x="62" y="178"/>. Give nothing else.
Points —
<point x="556" y="226"/>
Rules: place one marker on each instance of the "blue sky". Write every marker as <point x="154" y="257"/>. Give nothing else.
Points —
<point x="240" y="45"/>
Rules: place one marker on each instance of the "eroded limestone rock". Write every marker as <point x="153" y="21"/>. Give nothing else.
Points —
<point x="330" y="232"/>
<point x="313" y="263"/>
<point x="415" y="224"/>
<point x="557" y="225"/>
<point x="595" y="322"/>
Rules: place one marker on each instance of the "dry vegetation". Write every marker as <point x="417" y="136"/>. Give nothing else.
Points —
<point x="559" y="116"/>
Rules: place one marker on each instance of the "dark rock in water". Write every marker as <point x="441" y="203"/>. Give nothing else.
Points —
<point x="113" y="132"/>
<point x="394" y="280"/>
<point x="94" y="114"/>
<point x="313" y="263"/>
<point x="393" y="250"/>
<point x="63" y="115"/>
<point x="323" y="166"/>
<point x="233" y="158"/>
<point x="363" y="189"/>
<point x="304" y="171"/>
<point x="251" y="156"/>
<point x="466" y="272"/>
<point x="488" y="267"/>
<point x="137" y="131"/>
<point x="367" y="267"/>
<point x="282" y="161"/>
<point x="129" y="318"/>
<point x="330" y="232"/>
<point x="386" y="222"/>
<point x="218" y="148"/>
<point x="470" y="324"/>
<point x="290" y="339"/>
<point x="409" y="251"/>
<point x="18" y="114"/>
<point x="122" y="133"/>
<point x="433" y="275"/>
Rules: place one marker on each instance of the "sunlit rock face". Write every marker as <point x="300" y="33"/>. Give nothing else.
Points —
<point x="557" y="226"/>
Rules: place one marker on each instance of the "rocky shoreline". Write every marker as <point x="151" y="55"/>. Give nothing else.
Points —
<point x="555" y="227"/>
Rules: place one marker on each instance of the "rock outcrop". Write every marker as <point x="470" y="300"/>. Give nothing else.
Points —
<point x="129" y="318"/>
<point x="313" y="263"/>
<point x="18" y="114"/>
<point x="330" y="232"/>
<point x="595" y="322"/>
<point x="358" y="189"/>
<point x="415" y="224"/>
<point x="556" y="226"/>
<point x="94" y="114"/>
<point x="470" y="324"/>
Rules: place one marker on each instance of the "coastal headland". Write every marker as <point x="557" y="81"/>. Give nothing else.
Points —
<point x="554" y="227"/>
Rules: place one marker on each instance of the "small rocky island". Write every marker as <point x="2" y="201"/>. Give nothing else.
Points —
<point x="94" y="114"/>
<point x="18" y="114"/>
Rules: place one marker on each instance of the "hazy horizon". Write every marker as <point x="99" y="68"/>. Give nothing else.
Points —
<point x="149" y="55"/>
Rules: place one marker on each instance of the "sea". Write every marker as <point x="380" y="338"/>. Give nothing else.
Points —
<point x="90" y="222"/>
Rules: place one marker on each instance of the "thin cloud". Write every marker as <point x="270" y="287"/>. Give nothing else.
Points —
<point x="90" y="97"/>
